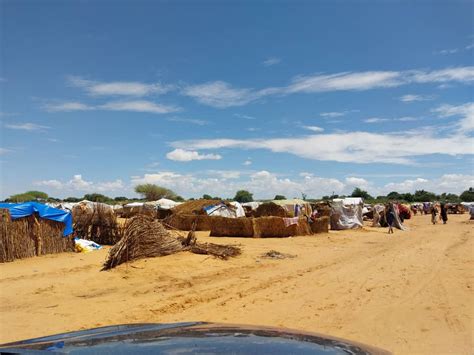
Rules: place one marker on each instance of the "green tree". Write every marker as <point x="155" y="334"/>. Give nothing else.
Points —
<point x="394" y="195"/>
<point x="207" y="197"/>
<point x="279" y="197"/>
<point x="179" y="199"/>
<point x="72" y="199"/>
<point x="120" y="198"/>
<point x="21" y="198"/>
<point x="243" y="196"/>
<point x="95" y="197"/>
<point x="38" y="195"/>
<point x="468" y="195"/>
<point x="152" y="192"/>
<point x="358" y="192"/>
<point x="423" y="196"/>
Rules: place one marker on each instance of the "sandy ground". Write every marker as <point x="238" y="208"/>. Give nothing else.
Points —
<point x="409" y="293"/>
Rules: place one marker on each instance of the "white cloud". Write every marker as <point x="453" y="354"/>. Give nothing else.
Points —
<point x="188" y="155"/>
<point x="4" y="151"/>
<point x="376" y="120"/>
<point x="67" y="106"/>
<point x="450" y="183"/>
<point x="465" y="111"/>
<point x="314" y="128"/>
<point x="357" y="182"/>
<point x="119" y="88"/>
<point x="448" y="51"/>
<point x="220" y="94"/>
<point x="333" y="114"/>
<point x="138" y="106"/>
<point x="27" y="126"/>
<point x="271" y="61"/>
<point x="247" y="162"/>
<point x="262" y="184"/>
<point x="413" y="98"/>
<point x="247" y="117"/>
<point x="77" y="183"/>
<point x="345" y="81"/>
<point x="189" y="120"/>
<point x="352" y="147"/>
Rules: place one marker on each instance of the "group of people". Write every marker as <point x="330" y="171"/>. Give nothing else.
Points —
<point x="443" y="212"/>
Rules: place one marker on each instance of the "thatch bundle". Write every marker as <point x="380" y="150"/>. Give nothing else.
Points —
<point x="194" y="207"/>
<point x="320" y="225"/>
<point x="231" y="227"/>
<point x="97" y="222"/>
<point x="274" y="227"/>
<point x="270" y="209"/>
<point x="143" y="237"/>
<point x="185" y="222"/>
<point x="31" y="236"/>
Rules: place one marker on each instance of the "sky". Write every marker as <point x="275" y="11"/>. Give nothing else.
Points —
<point x="209" y="97"/>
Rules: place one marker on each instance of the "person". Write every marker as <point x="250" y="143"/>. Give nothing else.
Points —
<point x="434" y="213"/>
<point x="390" y="219"/>
<point x="444" y="213"/>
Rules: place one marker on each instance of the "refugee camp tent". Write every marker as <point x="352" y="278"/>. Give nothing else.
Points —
<point x="345" y="216"/>
<point x="33" y="229"/>
<point x="20" y="210"/>
<point x="295" y="207"/>
<point x="232" y="210"/>
<point x="252" y="205"/>
<point x="350" y="201"/>
<point x="166" y="204"/>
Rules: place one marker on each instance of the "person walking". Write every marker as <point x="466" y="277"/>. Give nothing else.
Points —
<point x="434" y="213"/>
<point x="444" y="213"/>
<point x="390" y="219"/>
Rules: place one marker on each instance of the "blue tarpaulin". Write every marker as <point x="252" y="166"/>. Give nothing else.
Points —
<point x="19" y="210"/>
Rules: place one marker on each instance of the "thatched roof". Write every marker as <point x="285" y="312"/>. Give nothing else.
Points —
<point x="194" y="207"/>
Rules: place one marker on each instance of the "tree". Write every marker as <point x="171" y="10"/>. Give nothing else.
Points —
<point x="207" y="197"/>
<point x="423" y="196"/>
<point x="120" y="198"/>
<point x="179" y="199"/>
<point x="243" y="196"/>
<point x="152" y="192"/>
<point x="358" y="192"/>
<point x="468" y="195"/>
<point x="279" y="197"/>
<point x="94" y="197"/>
<point x="38" y="195"/>
<point x="20" y="198"/>
<point x="394" y="195"/>
<point x="28" y="196"/>
<point x="72" y="199"/>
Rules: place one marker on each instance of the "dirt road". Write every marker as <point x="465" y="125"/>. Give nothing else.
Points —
<point x="409" y="293"/>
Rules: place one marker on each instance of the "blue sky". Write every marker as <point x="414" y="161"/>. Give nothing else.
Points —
<point x="212" y="97"/>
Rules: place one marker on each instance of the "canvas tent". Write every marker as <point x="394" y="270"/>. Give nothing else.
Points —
<point x="295" y="207"/>
<point x="345" y="216"/>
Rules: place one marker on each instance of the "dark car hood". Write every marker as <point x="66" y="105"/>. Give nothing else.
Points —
<point x="189" y="338"/>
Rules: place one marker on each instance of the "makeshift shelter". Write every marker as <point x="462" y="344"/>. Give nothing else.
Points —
<point x="33" y="229"/>
<point x="270" y="209"/>
<point x="345" y="216"/>
<point x="96" y="221"/>
<point x="295" y="207"/>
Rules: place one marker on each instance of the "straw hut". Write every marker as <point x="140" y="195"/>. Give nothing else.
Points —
<point x="31" y="236"/>
<point x="270" y="209"/>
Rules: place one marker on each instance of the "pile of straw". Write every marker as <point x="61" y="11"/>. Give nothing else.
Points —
<point x="144" y="237"/>
<point x="320" y="225"/>
<point x="185" y="222"/>
<point x="231" y="227"/>
<point x="96" y="222"/>
<point x="270" y="209"/>
<point x="274" y="227"/>
<point x="31" y="236"/>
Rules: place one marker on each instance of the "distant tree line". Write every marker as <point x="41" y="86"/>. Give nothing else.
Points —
<point x="151" y="192"/>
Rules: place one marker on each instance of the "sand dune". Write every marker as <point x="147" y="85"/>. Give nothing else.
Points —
<point x="409" y="293"/>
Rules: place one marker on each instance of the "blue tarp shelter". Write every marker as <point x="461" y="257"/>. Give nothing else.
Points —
<point x="19" y="210"/>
